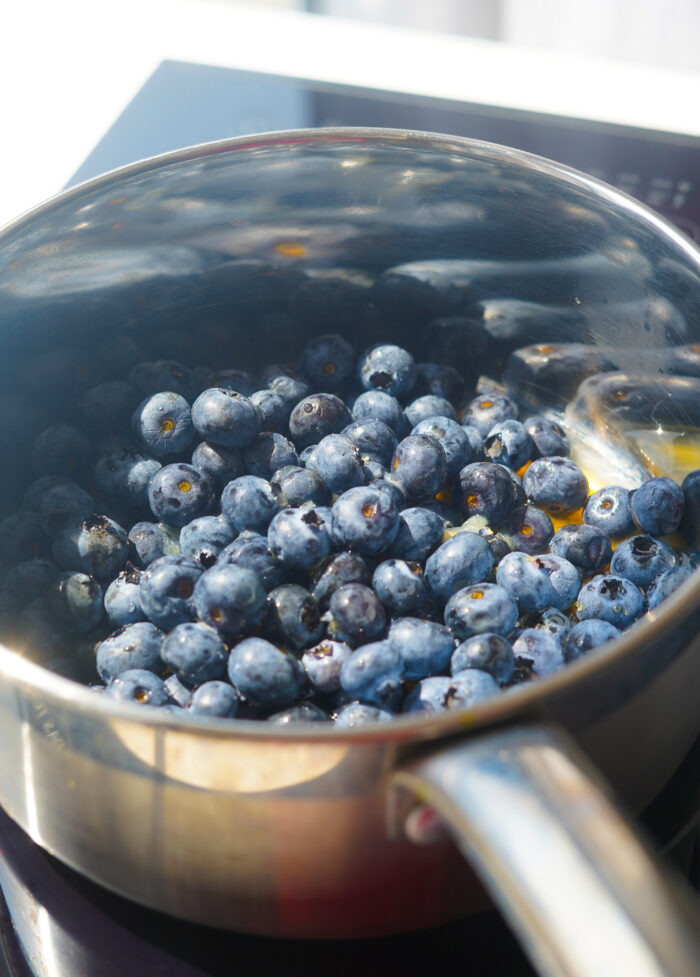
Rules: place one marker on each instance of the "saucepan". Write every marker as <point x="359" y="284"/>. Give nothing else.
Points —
<point x="233" y="250"/>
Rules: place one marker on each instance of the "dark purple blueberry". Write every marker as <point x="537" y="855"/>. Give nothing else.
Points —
<point x="657" y="506"/>
<point x="508" y="443"/>
<point x="139" y="686"/>
<point x="488" y="490"/>
<point x="252" y="553"/>
<point x="215" y="698"/>
<point x="541" y="650"/>
<point x="299" y="485"/>
<point x="323" y="663"/>
<point x="548" y="438"/>
<point x="345" y="567"/>
<point x="268" y="453"/>
<point x="537" y="582"/>
<point x="299" y="538"/>
<point x="166" y="591"/>
<point x="440" y="380"/>
<point x="316" y="416"/>
<point x="266" y="675"/>
<point x="375" y="404"/>
<point x="460" y="561"/>
<point x="204" y="538"/>
<point x="195" y="653"/>
<point x="388" y="368"/>
<point x="608" y="597"/>
<point x="122" y="600"/>
<point x="425" y="647"/>
<point x="374" y="439"/>
<point x="399" y="586"/>
<point x="481" y="608"/>
<point x="642" y="559"/>
<point x="587" y="635"/>
<point x="356" y="615"/>
<point x="488" y="651"/>
<point x="529" y="530"/>
<point x="327" y="361"/>
<point x="365" y="519"/>
<point x="148" y="541"/>
<point x="230" y="598"/>
<point x="419" y="467"/>
<point x="178" y="493"/>
<point x="225" y="417"/>
<point x="454" y="440"/>
<point x="162" y="424"/>
<point x="585" y="546"/>
<point x="107" y="408"/>
<point x="374" y="674"/>
<point x="666" y="583"/>
<point x="134" y="646"/>
<point x="293" y="617"/>
<point x="250" y="502"/>
<point x="95" y="545"/>
<point x="556" y="484"/>
<point x="488" y="409"/>
<point x="609" y="509"/>
<point x="61" y="450"/>
<point x="220" y="465"/>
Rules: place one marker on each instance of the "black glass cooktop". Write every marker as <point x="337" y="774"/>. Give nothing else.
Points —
<point x="182" y="104"/>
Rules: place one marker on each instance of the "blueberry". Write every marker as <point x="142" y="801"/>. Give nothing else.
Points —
<point x="399" y="586"/>
<point x="454" y="440"/>
<point x="488" y="409"/>
<point x="75" y="602"/>
<point x="339" y="464"/>
<point x="304" y="712"/>
<point x="178" y="493"/>
<point x="541" y="649"/>
<point x="265" y="674"/>
<point x="537" y="582"/>
<point x="666" y="583"/>
<point x="195" y="653"/>
<point x="461" y="560"/>
<point x="419" y="466"/>
<point x="375" y="404"/>
<point x="556" y="484"/>
<point x="299" y="538"/>
<point x="299" y="485"/>
<point x="481" y="608"/>
<point x="609" y="509"/>
<point x="587" y="635"/>
<point x="440" y="380"/>
<point x="487" y="489"/>
<point x="585" y="546"/>
<point x="167" y="590"/>
<point x="268" y="453"/>
<point x="374" y="674"/>
<point x="388" y="368"/>
<point x="420" y="532"/>
<point x="62" y="502"/>
<point x="360" y="714"/>
<point x="231" y="379"/>
<point x="219" y="465"/>
<point x="96" y="545"/>
<point x="342" y="568"/>
<point x="125" y="475"/>
<point x="548" y="438"/>
<point x="508" y="443"/>
<point x="356" y="615"/>
<point x="134" y="646"/>
<point x="253" y="553"/>
<point x="293" y="617"/>
<point x="529" y="530"/>
<point x="487" y="651"/>
<point x="286" y="384"/>
<point x="327" y="361"/>
<point x="610" y="598"/>
<point x="440" y="693"/>
<point x="425" y="647"/>
<point x="272" y="410"/>
<point x="374" y="439"/>
<point x="230" y="598"/>
<point x="140" y="686"/>
<point x="250" y="502"/>
<point x="21" y="538"/>
<point x="37" y="489"/>
<point x="215" y="699"/>
<point x="549" y="619"/>
<point x="149" y="377"/>
<point x="60" y="450"/>
<point x="162" y="423"/>
<point x="428" y="406"/>
<point x="690" y="523"/>
<point x="151" y="540"/>
<point x="225" y="417"/>
<point x="657" y="506"/>
<point x="107" y="408"/>
<point x="122" y="600"/>
<point x="316" y="416"/>
<point x="365" y="519"/>
<point x="641" y="559"/>
<point x="204" y="538"/>
<point x="323" y="663"/>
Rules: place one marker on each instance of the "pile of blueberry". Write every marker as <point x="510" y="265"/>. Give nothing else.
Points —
<point x="346" y="542"/>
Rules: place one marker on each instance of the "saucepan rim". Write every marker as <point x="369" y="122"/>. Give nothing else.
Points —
<point x="524" y="699"/>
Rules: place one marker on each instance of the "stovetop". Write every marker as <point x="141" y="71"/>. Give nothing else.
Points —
<point x="54" y="923"/>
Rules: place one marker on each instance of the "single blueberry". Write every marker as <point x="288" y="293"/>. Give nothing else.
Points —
<point x="425" y="647"/>
<point x="219" y="465"/>
<point x="481" y="608"/>
<point x="299" y="538"/>
<point x="690" y="523"/>
<point x="609" y="509"/>
<point x="355" y="615"/>
<point x="419" y="466"/>
<point x="230" y="598"/>
<point x="587" y="547"/>
<point x="374" y="674"/>
<point x="642" y="559"/>
<point x="162" y="423"/>
<point x="62" y="502"/>
<point x="140" y="686"/>
<point x="250" y="502"/>
<point x="204" y="538"/>
<point x="489" y="490"/>
<point x="148" y="377"/>
<point x="75" y="601"/>
<point x="461" y="560"/>
<point x="215" y="699"/>
<point x="549" y="619"/>
<point x="556" y="484"/>
<point x="151" y="540"/>
<point x="339" y="463"/>
<point x="610" y="598"/>
<point x="225" y="417"/>
<point x="399" y="586"/>
<point x="374" y="439"/>
<point x="286" y="384"/>
<point x="540" y="581"/>
<point x="440" y="693"/>
<point x="195" y="653"/>
<point x="508" y="443"/>
<point x="272" y="410"/>
<point x="293" y="617"/>
<point x="178" y="493"/>
<point x="264" y="674"/>
<point x="122" y="600"/>
<point x="327" y="361"/>
<point x="529" y="530"/>
<point x="134" y="646"/>
<point x="299" y="485"/>
<point x="488" y="409"/>
<point x="428" y="406"/>
<point x="541" y="649"/>
<point x="388" y="368"/>
<point x="420" y="532"/>
<point x="96" y="545"/>
<point x="365" y="519"/>
<point x="166" y="590"/>
<point x="548" y="438"/>
<point x="231" y="379"/>
<point x="666" y="583"/>
<point x="657" y="506"/>
<point x="316" y="416"/>
<point x="488" y="651"/>
<point x="107" y="408"/>
<point x="323" y="663"/>
<point x="360" y="714"/>
<point x="587" y="635"/>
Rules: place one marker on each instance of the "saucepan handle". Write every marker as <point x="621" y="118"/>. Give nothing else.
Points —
<point x="584" y="894"/>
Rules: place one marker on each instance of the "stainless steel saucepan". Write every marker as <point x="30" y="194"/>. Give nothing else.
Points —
<point x="237" y="249"/>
